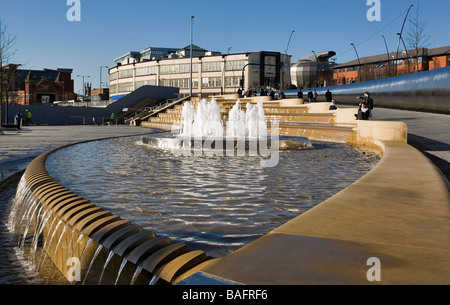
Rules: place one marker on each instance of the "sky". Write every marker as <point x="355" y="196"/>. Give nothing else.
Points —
<point x="111" y="28"/>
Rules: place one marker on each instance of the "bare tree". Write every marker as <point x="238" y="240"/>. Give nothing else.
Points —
<point x="7" y="51"/>
<point x="417" y="37"/>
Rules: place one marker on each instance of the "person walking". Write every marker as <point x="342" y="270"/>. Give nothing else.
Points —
<point x="315" y="95"/>
<point x="310" y="96"/>
<point x="28" y="119"/>
<point x="329" y="96"/>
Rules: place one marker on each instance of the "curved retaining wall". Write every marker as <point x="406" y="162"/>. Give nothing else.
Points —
<point x="82" y="228"/>
<point x="425" y="91"/>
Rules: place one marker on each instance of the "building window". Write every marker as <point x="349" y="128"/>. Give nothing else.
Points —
<point x="113" y="76"/>
<point x="351" y="69"/>
<point x="232" y="81"/>
<point x="398" y="62"/>
<point x="211" y="82"/>
<point x="125" y="87"/>
<point x="145" y="71"/>
<point x="145" y="83"/>
<point x="126" y="74"/>
<point x="181" y="68"/>
<point x="235" y="65"/>
<point x="113" y="88"/>
<point x="182" y="83"/>
<point x="212" y="66"/>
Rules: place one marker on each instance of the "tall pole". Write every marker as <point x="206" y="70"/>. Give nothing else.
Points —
<point x="192" y="26"/>
<point x="401" y="33"/>
<point x="84" y="87"/>
<point x="359" y="61"/>
<point x="389" y="59"/>
<point x="101" y="75"/>
<point x="285" y="60"/>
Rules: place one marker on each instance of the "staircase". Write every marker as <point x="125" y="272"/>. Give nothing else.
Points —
<point x="313" y="121"/>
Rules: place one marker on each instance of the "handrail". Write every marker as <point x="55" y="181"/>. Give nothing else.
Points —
<point x="149" y="111"/>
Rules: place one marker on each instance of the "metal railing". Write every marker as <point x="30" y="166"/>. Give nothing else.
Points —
<point x="147" y="112"/>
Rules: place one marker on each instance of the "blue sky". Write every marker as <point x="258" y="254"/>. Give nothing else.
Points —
<point x="110" y="28"/>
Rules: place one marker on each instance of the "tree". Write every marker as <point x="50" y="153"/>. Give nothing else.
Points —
<point x="417" y="37"/>
<point x="7" y="51"/>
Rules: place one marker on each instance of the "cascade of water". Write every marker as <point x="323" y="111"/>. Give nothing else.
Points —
<point x="40" y="227"/>
<point x="92" y="262"/>
<point x="206" y="121"/>
<point x="59" y="239"/>
<point x="154" y="280"/>
<point x="110" y="255"/>
<point x="236" y="122"/>
<point x="29" y="223"/>
<point x="124" y="262"/>
<point x="136" y="275"/>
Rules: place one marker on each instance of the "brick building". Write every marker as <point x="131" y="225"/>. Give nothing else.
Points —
<point x="392" y="64"/>
<point x="34" y="87"/>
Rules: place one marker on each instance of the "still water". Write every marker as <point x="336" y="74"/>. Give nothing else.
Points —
<point x="216" y="204"/>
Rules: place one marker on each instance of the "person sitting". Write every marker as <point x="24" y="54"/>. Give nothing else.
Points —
<point x="363" y="112"/>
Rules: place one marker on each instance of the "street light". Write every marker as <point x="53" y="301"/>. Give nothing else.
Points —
<point x="389" y="59"/>
<point x="106" y="67"/>
<point x="401" y="33"/>
<point x="317" y="68"/>
<point x="84" y="88"/>
<point x="285" y="60"/>
<point x="192" y="21"/>
<point x="359" y="61"/>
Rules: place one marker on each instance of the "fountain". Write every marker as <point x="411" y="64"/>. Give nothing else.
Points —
<point x="203" y="130"/>
<point x="89" y="245"/>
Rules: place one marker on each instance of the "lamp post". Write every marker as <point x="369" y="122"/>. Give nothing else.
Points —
<point x="190" y="81"/>
<point x="359" y="61"/>
<point x="285" y="61"/>
<point x="387" y="52"/>
<point x="401" y="33"/>
<point x="317" y="67"/>
<point x="84" y="88"/>
<point x="106" y="67"/>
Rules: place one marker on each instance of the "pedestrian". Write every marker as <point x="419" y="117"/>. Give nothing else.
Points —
<point x="329" y="96"/>
<point x="28" y="119"/>
<point x="19" y="120"/>
<point x="300" y="94"/>
<point x="368" y="101"/>
<point x="315" y="95"/>
<point x="272" y="94"/>
<point x="310" y="96"/>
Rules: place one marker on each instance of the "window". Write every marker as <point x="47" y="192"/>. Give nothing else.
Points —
<point x="182" y="83"/>
<point x="126" y="73"/>
<point x="145" y="71"/>
<point x="398" y="62"/>
<point x="235" y="65"/>
<point x="212" y="66"/>
<point x="211" y="82"/>
<point x="181" y="68"/>
<point x="125" y="87"/>
<point x="113" y="76"/>
<point x="113" y="88"/>
<point x="232" y="81"/>
<point x="145" y="83"/>
<point x="351" y="69"/>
